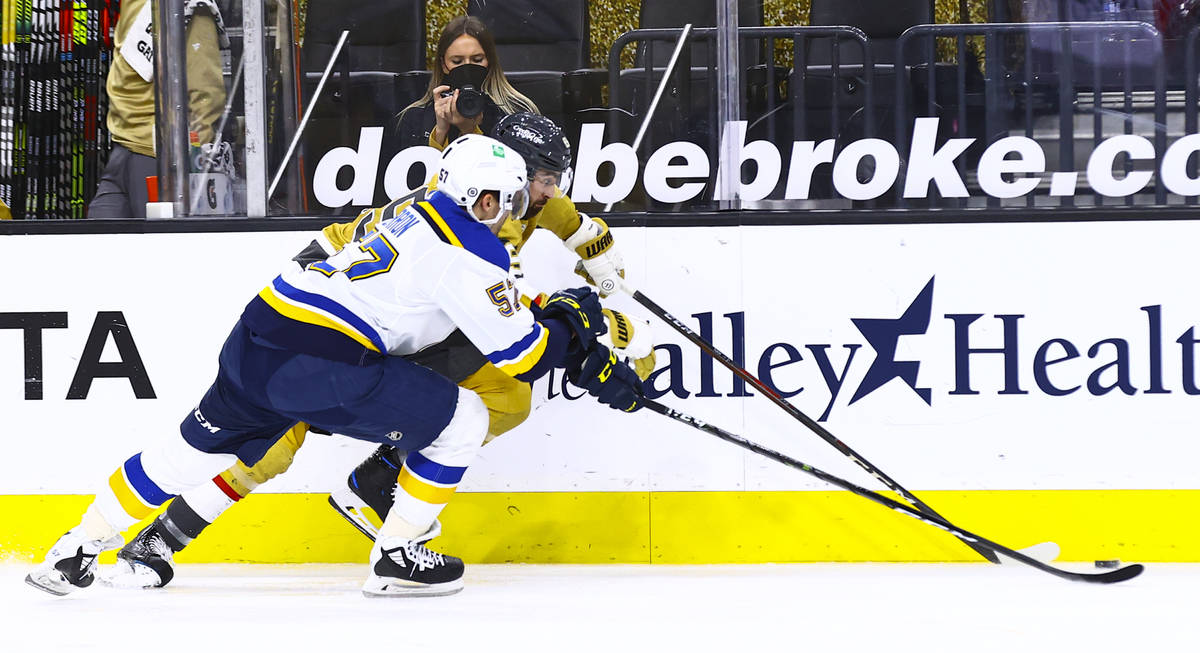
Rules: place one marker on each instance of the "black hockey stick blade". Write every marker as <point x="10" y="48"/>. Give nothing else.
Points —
<point x="1113" y="576"/>
<point x="796" y="413"/>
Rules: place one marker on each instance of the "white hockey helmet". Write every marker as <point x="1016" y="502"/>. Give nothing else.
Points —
<point x="474" y="164"/>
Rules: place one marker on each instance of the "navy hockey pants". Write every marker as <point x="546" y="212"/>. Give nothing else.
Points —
<point x="261" y="391"/>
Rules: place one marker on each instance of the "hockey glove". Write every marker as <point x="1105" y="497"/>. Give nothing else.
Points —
<point x="632" y="339"/>
<point x="608" y="380"/>
<point x="580" y="309"/>
<point x="600" y="262"/>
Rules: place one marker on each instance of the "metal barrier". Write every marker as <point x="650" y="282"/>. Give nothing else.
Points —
<point x="800" y="36"/>
<point x="767" y="75"/>
<point x="1007" y="94"/>
<point x="999" y="81"/>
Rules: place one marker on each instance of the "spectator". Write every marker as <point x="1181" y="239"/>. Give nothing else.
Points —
<point x="433" y="119"/>
<point x="130" y="86"/>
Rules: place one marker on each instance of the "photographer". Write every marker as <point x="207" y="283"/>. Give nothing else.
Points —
<point x="470" y="100"/>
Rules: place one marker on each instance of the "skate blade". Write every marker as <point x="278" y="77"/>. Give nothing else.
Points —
<point x="360" y="516"/>
<point x="50" y="581"/>
<point x="125" y="576"/>
<point x="379" y="588"/>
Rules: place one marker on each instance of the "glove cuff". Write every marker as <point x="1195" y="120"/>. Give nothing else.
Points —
<point x="592" y="239"/>
<point x="631" y="335"/>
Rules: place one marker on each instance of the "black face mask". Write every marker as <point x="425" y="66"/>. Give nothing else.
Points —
<point x="467" y="79"/>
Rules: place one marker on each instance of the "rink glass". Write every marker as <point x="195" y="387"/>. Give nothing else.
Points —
<point x="1006" y="105"/>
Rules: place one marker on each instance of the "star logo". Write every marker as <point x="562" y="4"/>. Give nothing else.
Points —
<point x="883" y="335"/>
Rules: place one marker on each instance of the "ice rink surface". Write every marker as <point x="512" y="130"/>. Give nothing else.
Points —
<point x="793" y="607"/>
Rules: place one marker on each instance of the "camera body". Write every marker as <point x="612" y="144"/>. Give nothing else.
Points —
<point x="467" y="79"/>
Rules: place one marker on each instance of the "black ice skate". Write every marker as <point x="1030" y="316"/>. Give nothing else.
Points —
<point x="71" y="562"/>
<point x="401" y="567"/>
<point x="146" y="562"/>
<point x="370" y="491"/>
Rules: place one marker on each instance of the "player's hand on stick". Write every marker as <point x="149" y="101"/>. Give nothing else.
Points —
<point x="580" y="309"/>
<point x="600" y="261"/>
<point x="607" y="379"/>
<point x="631" y="338"/>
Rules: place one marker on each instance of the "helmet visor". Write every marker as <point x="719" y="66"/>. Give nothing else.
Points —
<point x="544" y="184"/>
<point x="518" y="203"/>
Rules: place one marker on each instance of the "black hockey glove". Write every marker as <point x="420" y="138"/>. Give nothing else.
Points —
<point x="607" y="379"/>
<point x="579" y="308"/>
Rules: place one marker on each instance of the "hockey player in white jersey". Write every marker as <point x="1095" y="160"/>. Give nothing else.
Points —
<point x="366" y="498"/>
<point x="324" y="346"/>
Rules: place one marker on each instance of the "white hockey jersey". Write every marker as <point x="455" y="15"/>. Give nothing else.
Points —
<point x="405" y="286"/>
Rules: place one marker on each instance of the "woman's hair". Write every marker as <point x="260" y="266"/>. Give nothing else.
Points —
<point x="495" y="86"/>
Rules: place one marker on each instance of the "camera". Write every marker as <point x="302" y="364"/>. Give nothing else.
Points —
<point x="467" y="79"/>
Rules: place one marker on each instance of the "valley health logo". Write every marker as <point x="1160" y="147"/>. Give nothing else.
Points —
<point x="884" y="335"/>
<point x="1003" y="362"/>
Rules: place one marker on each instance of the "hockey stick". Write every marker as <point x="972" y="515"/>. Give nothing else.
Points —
<point x="795" y="412"/>
<point x="976" y="541"/>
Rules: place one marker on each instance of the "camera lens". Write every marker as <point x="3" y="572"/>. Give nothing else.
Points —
<point x="470" y="102"/>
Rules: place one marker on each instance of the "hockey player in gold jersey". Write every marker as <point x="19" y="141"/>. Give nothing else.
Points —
<point x="147" y="560"/>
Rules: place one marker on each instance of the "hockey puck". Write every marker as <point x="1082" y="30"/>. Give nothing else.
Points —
<point x="1108" y="564"/>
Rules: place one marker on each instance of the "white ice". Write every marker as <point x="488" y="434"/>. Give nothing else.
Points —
<point x="617" y="608"/>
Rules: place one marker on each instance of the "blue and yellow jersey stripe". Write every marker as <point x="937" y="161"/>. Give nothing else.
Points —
<point x="524" y="354"/>
<point x="313" y="324"/>
<point x="453" y="226"/>
<point x="310" y="308"/>
<point x="437" y="223"/>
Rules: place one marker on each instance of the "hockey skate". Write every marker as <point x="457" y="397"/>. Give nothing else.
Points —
<point x="401" y="567"/>
<point x="146" y="562"/>
<point x="71" y="562"/>
<point x="370" y="491"/>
